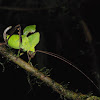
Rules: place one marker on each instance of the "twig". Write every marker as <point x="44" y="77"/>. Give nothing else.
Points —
<point x="35" y="72"/>
<point x="24" y="9"/>
<point x="86" y="31"/>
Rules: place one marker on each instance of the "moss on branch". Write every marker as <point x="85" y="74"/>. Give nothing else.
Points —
<point x="47" y="80"/>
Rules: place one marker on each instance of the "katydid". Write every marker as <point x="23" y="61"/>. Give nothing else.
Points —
<point x="28" y="43"/>
<point x="24" y="42"/>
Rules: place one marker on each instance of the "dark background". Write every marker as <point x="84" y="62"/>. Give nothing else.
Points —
<point x="61" y="32"/>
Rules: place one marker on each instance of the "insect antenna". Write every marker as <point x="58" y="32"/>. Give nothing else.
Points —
<point x="68" y="62"/>
<point x="11" y="31"/>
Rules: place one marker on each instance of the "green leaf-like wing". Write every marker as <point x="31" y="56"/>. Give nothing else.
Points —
<point x="34" y="39"/>
<point x="29" y="29"/>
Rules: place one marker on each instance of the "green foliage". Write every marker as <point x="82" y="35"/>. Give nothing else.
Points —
<point x="32" y="80"/>
<point x="45" y="71"/>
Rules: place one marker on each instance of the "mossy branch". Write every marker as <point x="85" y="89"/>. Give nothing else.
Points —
<point x="47" y="80"/>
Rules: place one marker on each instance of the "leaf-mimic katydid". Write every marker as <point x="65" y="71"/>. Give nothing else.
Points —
<point x="28" y="43"/>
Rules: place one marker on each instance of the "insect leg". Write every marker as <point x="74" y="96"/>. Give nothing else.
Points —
<point x="20" y="38"/>
<point x="11" y="32"/>
<point x="29" y="57"/>
<point x="5" y="33"/>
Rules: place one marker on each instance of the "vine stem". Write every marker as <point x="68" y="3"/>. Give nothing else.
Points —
<point x="47" y="80"/>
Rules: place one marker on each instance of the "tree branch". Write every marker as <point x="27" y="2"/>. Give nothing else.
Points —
<point x="35" y="72"/>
